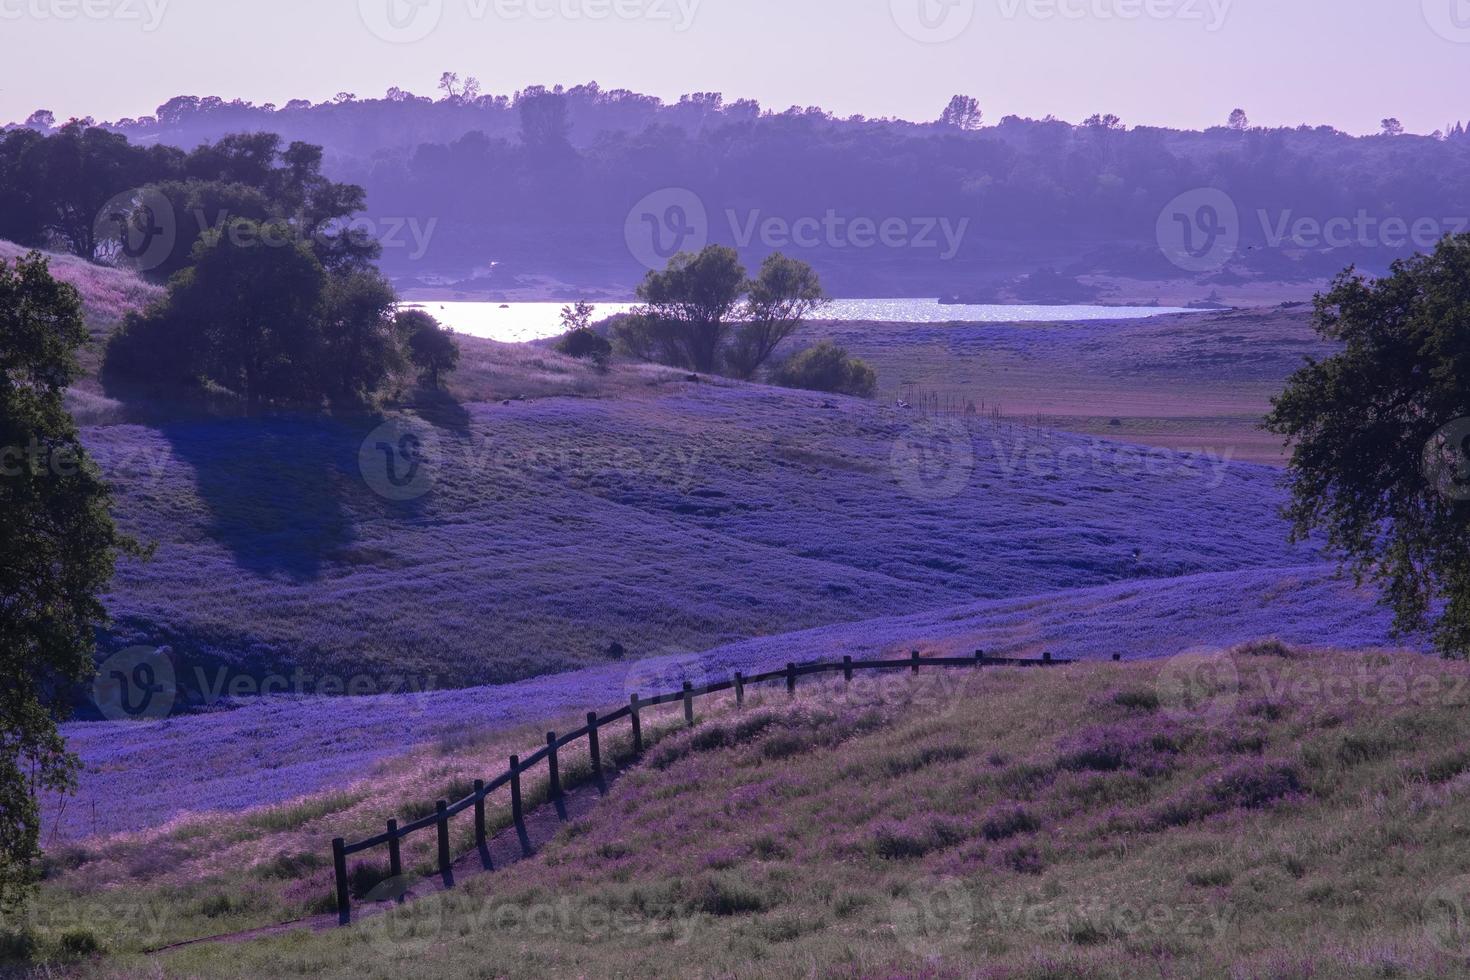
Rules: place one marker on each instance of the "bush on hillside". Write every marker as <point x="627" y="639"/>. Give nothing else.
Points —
<point x="585" y="345"/>
<point x="828" y="367"/>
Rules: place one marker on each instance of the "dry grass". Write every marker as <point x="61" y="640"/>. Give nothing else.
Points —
<point x="1270" y="813"/>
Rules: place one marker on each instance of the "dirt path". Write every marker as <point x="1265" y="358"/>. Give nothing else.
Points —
<point x="511" y="846"/>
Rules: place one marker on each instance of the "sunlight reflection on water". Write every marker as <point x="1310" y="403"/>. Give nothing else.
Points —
<point x="521" y="322"/>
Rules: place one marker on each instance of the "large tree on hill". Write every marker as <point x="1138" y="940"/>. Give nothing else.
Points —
<point x="430" y="345"/>
<point x="56" y="554"/>
<point x="702" y="313"/>
<point x="693" y="300"/>
<point x="1380" y="436"/>
<point x="257" y="314"/>
<point x="780" y="299"/>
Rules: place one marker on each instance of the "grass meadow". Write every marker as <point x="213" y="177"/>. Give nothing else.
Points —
<point x="1263" y="812"/>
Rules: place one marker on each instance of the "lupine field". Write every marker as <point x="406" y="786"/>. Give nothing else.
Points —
<point x="346" y="648"/>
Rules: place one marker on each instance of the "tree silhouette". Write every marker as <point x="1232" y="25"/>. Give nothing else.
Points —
<point x="963" y="112"/>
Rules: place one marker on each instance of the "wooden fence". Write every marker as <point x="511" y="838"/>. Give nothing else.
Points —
<point x="444" y="811"/>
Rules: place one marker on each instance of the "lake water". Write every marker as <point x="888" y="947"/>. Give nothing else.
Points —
<point x="521" y="322"/>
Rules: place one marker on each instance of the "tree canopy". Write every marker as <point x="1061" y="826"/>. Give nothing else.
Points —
<point x="56" y="555"/>
<point x="703" y="313"/>
<point x="91" y="192"/>
<point x="1380" y="436"/>
<point x="257" y="313"/>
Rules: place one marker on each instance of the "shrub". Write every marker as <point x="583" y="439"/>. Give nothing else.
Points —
<point x="1447" y="767"/>
<point x="75" y="944"/>
<point x="724" y="894"/>
<point x="828" y="367"/>
<point x="365" y="876"/>
<point x="585" y="345"/>
<point x="290" y="866"/>
<point x="17" y="946"/>
<point x="783" y="745"/>
<point x="1139" y="700"/>
<point x="905" y="840"/>
<point x="1265" y="648"/>
<point x="1009" y="822"/>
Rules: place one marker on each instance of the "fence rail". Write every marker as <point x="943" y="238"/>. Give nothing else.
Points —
<point x="445" y="810"/>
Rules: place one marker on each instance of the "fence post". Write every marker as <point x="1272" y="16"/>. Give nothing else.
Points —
<point x="739" y="689"/>
<point x="593" y="748"/>
<point x="791" y="679"/>
<point x="515" y="791"/>
<point x="637" y="725"/>
<point x="440" y="808"/>
<point x="916" y="661"/>
<point x="847" y="669"/>
<point x="479" y="813"/>
<point x="555" y="792"/>
<point x="689" y="704"/>
<point x="339" y="863"/>
<point x="395" y="852"/>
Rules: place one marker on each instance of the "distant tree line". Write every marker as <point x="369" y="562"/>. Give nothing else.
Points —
<point x="82" y="189"/>
<point x="545" y="178"/>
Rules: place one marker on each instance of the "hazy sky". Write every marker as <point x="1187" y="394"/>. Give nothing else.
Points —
<point x="1183" y="63"/>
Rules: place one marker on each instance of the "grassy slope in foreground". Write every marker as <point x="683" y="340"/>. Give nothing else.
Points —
<point x="272" y="750"/>
<point x="1295" y="816"/>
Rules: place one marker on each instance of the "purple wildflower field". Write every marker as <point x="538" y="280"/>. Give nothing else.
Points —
<point x="269" y="750"/>
<point x="555" y="528"/>
<point x="107" y="294"/>
<point x="717" y="528"/>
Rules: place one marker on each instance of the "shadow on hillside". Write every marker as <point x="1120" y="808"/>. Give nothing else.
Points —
<point x="274" y="487"/>
<point x="441" y="410"/>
